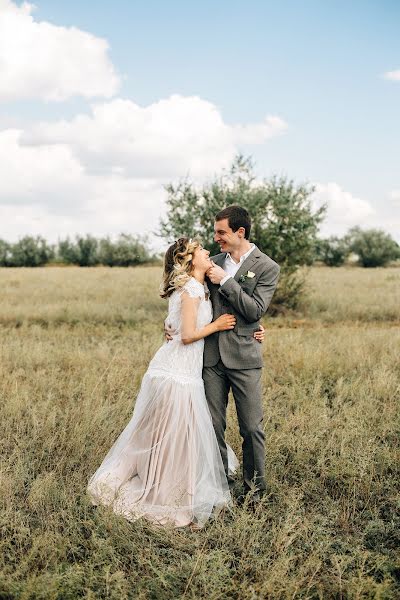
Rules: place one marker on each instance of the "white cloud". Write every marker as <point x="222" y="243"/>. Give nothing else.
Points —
<point x="103" y="173"/>
<point x="259" y="132"/>
<point x="112" y="206"/>
<point x="45" y="190"/>
<point x="344" y="209"/>
<point x="173" y="137"/>
<point x="395" y="196"/>
<point x="392" y="75"/>
<point x="29" y="174"/>
<point x="41" y="60"/>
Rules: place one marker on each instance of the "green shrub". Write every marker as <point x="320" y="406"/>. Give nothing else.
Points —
<point x="67" y="252"/>
<point x="332" y="251"/>
<point x="5" y="253"/>
<point x="30" y="252"/>
<point x="374" y="247"/>
<point x="84" y="252"/>
<point x="126" y="251"/>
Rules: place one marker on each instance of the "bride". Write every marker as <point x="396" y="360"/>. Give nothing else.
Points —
<point x="166" y="465"/>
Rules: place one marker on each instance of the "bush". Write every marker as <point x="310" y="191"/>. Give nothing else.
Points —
<point x="30" y="252"/>
<point x="126" y="251"/>
<point x="87" y="251"/>
<point x="67" y="252"/>
<point x="374" y="247"/>
<point x="83" y="253"/>
<point x="5" y="253"/>
<point x="332" y="251"/>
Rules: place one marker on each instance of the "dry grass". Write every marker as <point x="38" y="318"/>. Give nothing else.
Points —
<point x="354" y="294"/>
<point x="74" y="346"/>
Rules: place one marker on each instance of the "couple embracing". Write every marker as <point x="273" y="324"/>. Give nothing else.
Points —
<point x="171" y="463"/>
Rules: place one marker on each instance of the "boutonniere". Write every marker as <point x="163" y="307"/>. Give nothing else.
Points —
<point x="249" y="275"/>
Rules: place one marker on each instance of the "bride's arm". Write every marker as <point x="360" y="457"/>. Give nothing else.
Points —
<point x="190" y="333"/>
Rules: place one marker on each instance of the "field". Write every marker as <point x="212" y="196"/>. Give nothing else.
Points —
<point x="74" y="346"/>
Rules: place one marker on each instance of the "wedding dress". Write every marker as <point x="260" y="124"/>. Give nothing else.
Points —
<point x="166" y="465"/>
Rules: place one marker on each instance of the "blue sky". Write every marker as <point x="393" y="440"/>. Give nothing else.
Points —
<point x="318" y="66"/>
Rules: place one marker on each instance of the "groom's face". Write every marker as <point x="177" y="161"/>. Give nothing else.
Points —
<point x="228" y="239"/>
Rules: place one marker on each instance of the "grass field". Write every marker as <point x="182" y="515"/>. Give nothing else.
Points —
<point x="74" y="346"/>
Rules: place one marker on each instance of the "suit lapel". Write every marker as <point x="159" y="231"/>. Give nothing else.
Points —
<point x="247" y="263"/>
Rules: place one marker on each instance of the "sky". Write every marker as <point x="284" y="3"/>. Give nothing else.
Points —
<point x="103" y="103"/>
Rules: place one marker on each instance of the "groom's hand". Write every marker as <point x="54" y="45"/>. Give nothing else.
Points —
<point x="215" y="273"/>
<point x="259" y="335"/>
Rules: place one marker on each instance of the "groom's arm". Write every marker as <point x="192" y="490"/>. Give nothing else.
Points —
<point x="252" y="308"/>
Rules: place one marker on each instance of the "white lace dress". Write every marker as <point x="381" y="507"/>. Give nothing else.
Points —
<point x="166" y="465"/>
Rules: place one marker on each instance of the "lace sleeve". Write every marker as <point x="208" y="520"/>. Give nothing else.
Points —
<point x="193" y="288"/>
<point x="189" y="311"/>
<point x="191" y="296"/>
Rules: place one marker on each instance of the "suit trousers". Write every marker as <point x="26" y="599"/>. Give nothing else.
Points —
<point x="246" y="389"/>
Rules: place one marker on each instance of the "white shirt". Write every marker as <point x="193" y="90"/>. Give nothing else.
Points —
<point x="231" y="267"/>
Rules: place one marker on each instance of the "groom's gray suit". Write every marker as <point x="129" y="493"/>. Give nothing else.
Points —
<point x="233" y="359"/>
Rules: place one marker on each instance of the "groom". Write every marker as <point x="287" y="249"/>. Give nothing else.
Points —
<point x="242" y="282"/>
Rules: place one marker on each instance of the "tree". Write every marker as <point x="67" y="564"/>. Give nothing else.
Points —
<point x="5" y="254"/>
<point x="30" y="252"/>
<point x="67" y="252"/>
<point x="332" y="251"/>
<point x="374" y="247"/>
<point x="83" y="252"/>
<point x="284" y="226"/>
<point x="87" y="251"/>
<point x="126" y="251"/>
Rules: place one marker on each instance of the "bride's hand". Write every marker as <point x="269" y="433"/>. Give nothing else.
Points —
<point x="260" y="334"/>
<point x="225" y="322"/>
<point x="168" y="332"/>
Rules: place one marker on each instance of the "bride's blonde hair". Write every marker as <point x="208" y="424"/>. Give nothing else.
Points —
<point x="178" y="265"/>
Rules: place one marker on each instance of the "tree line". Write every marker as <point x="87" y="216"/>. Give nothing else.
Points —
<point x="85" y="251"/>
<point x="368" y="248"/>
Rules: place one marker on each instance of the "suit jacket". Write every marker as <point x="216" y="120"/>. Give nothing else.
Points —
<point x="248" y="300"/>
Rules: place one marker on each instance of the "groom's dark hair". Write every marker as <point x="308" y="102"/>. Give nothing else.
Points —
<point x="237" y="217"/>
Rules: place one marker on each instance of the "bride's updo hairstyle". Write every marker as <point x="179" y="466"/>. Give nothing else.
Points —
<point x="178" y="265"/>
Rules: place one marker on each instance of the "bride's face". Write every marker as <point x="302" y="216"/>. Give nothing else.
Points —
<point x="201" y="259"/>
